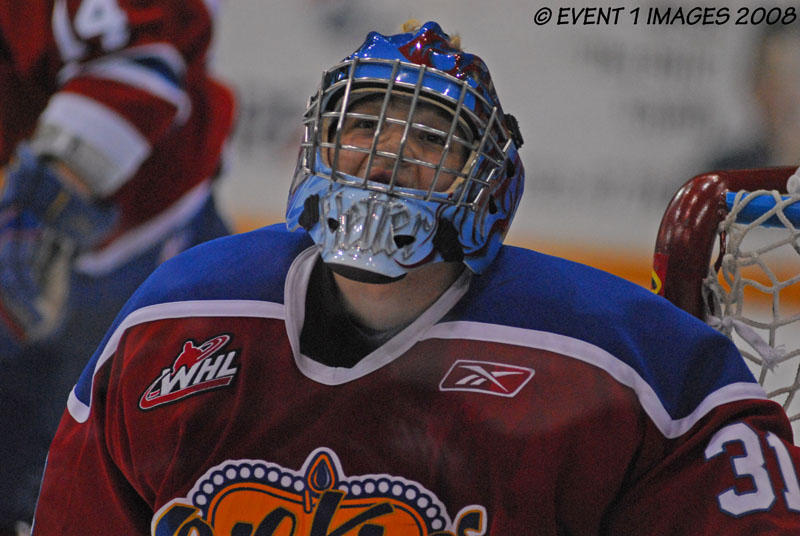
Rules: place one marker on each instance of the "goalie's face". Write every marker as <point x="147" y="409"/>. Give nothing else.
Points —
<point x="380" y="147"/>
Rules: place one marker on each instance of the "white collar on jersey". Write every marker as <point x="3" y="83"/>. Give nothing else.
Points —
<point x="295" y="302"/>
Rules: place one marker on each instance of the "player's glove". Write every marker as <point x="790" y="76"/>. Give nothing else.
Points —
<point x="44" y="223"/>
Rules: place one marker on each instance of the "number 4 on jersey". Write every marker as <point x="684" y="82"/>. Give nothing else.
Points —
<point x="94" y="18"/>
<point x="752" y="465"/>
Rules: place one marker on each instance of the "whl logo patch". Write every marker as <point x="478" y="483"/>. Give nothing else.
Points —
<point x="195" y="369"/>
<point x="486" y="377"/>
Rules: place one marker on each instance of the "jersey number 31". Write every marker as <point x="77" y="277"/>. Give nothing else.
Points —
<point x="752" y="465"/>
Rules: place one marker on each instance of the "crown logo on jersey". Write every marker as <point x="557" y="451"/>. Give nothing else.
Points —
<point x="196" y="369"/>
<point x="253" y="497"/>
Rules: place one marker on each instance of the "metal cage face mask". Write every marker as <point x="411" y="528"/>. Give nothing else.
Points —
<point x="393" y="141"/>
<point x="403" y="164"/>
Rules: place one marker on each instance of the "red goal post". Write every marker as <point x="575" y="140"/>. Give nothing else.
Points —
<point x="728" y="252"/>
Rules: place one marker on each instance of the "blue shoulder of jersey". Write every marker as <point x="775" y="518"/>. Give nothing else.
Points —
<point x="681" y="358"/>
<point x="247" y="266"/>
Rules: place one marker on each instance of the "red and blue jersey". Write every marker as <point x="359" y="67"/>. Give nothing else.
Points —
<point x="541" y="397"/>
<point x="128" y="79"/>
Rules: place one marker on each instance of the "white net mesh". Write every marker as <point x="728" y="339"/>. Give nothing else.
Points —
<point x="754" y="297"/>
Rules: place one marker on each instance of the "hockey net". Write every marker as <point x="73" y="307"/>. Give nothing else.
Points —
<point x="728" y="251"/>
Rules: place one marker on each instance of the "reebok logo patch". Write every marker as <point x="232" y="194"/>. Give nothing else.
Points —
<point x="486" y="377"/>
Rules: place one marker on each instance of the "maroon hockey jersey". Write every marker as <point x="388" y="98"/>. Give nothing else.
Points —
<point x="540" y="398"/>
<point x="128" y="78"/>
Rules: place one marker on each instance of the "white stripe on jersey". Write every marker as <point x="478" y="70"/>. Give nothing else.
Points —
<point x="596" y="356"/>
<point x="103" y="129"/>
<point x="123" y="68"/>
<point x="143" y="237"/>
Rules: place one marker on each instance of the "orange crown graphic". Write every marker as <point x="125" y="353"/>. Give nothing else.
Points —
<point x="251" y="497"/>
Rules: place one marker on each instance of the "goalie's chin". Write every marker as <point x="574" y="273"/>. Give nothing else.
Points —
<point x="361" y="275"/>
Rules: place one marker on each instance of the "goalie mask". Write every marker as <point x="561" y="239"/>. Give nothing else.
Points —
<point x="407" y="159"/>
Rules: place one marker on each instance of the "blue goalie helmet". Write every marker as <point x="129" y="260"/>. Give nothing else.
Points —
<point x="407" y="159"/>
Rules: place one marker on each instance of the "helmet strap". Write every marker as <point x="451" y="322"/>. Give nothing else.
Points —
<point x="362" y="276"/>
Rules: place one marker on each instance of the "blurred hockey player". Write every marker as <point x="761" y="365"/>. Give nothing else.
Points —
<point x="774" y="80"/>
<point x="387" y="366"/>
<point x="111" y="131"/>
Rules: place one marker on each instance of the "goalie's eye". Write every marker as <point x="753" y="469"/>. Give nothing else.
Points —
<point x="433" y="138"/>
<point x="362" y="123"/>
<point x="356" y="129"/>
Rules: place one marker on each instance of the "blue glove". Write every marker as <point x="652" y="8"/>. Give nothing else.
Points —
<point x="43" y="225"/>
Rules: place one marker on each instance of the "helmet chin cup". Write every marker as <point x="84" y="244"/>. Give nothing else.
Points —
<point x="366" y="230"/>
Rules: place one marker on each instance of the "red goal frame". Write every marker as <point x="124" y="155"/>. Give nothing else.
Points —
<point x="689" y="230"/>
